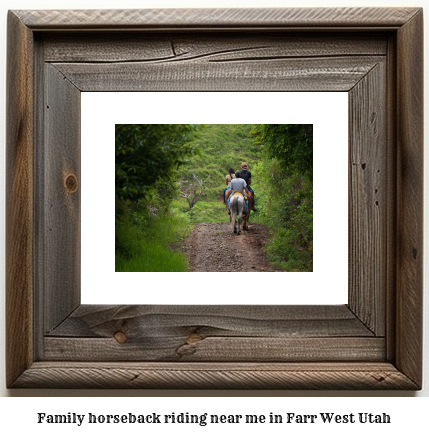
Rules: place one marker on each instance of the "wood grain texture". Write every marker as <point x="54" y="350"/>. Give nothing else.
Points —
<point x="175" y="47"/>
<point x="409" y="280"/>
<point x="378" y="376"/>
<point x="330" y="74"/>
<point x="61" y="187"/>
<point x="39" y="200"/>
<point x="213" y="333"/>
<point x="368" y="201"/>
<point x="189" y="347"/>
<point x="99" y="321"/>
<point x="179" y="348"/>
<point x="289" y="18"/>
<point x="19" y="200"/>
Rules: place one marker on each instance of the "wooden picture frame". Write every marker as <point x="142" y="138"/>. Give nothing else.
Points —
<point x="373" y="342"/>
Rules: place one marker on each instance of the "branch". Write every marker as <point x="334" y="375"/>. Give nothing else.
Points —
<point x="189" y="188"/>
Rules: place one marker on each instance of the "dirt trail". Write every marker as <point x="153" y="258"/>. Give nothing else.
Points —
<point x="212" y="247"/>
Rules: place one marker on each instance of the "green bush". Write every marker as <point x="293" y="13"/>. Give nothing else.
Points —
<point x="285" y="204"/>
<point x="145" y="236"/>
<point x="219" y="146"/>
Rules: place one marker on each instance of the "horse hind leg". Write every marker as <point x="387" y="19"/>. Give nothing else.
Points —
<point x="233" y="219"/>
<point x="247" y="215"/>
<point x="246" y="222"/>
<point x="240" y="219"/>
<point x="232" y="215"/>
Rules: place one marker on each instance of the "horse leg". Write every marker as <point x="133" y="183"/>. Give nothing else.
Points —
<point x="240" y="216"/>
<point x="244" y="215"/>
<point x="233" y="218"/>
<point x="247" y="215"/>
<point x="244" y="219"/>
<point x="247" y="220"/>
<point x="232" y="214"/>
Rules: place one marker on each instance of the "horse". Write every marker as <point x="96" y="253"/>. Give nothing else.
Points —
<point x="236" y="206"/>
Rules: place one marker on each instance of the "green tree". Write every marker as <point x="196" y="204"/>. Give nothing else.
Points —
<point x="146" y="153"/>
<point x="291" y="144"/>
<point x="286" y="172"/>
<point x="146" y="161"/>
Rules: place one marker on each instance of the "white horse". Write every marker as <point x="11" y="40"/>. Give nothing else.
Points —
<point x="236" y="206"/>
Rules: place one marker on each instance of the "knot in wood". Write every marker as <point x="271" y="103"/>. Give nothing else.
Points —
<point x="193" y="338"/>
<point x="120" y="337"/>
<point x="71" y="183"/>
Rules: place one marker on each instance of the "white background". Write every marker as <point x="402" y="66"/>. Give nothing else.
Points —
<point x="18" y="414"/>
<point x="327" y="111"/>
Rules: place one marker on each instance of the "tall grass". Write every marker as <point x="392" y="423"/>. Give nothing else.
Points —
<point x="152" y="257"/>
<point x="144" y="242"/>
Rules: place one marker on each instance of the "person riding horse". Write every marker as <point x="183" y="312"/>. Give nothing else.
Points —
<point x="228" y="178"/>
<point x="247" y="176"/>
<point x="237" y="185"/>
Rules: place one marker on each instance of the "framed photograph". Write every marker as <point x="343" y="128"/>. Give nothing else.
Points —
<point x="373" y="341"/>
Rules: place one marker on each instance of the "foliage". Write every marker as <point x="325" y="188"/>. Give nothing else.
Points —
<point x="285" y="200"/>
<point x="154" y="161"/>
<point x="144" y="236"/>
<point x="292" y="244"/>
<point x="291" y="144"/>
<point x="152" y="258"/>
<point x="220" y="146"/>
<point x="146" y="153"/>
<point x="207" y="212"/>
<point x="192" y="188"/>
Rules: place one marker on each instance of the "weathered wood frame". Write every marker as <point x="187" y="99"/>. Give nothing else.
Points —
<point x="374" y="342"/>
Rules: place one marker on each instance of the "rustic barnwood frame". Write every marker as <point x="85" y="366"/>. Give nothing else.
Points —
<point x="373" y="342"/>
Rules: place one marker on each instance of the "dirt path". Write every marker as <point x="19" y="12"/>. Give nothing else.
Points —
<point x="213" y="247"/>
